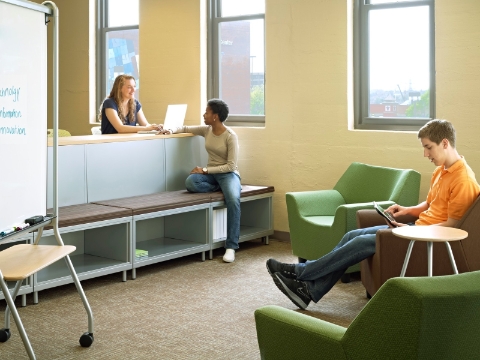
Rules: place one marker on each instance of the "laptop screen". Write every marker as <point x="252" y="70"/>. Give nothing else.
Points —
<point x="175" y="116"/>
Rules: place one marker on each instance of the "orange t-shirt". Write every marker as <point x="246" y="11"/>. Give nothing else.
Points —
<point x="452" y="192"/>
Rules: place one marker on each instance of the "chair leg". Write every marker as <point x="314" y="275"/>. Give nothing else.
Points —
<point x="16" y="317"/>
<point x="301" y="260"/>
<point x="368" y="295"/>
<point x="345" y="278"/>
<point x="7" y="309"/>
<point x="87" y="338"/>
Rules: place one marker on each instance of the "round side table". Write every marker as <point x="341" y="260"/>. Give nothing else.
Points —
<point x="430" y="234"/>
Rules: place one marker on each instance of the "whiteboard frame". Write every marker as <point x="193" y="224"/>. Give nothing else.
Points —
<point x="30" y="5"/>
<point x="43" y="12"/>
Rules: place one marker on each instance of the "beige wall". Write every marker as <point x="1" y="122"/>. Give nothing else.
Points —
<point x="306" y="143"/>
<point x="75" y="109"/>
<point x="171" y="66"/>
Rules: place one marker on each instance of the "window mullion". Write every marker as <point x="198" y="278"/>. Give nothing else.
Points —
<point x="432" y="62"/>
<point x="364" y="63"/>
<point x="216" y="57"/>
<point x="396" y="5"/>
<point x="240" y="18"/>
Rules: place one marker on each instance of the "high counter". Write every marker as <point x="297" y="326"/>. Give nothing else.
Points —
<point x="99" y="139"/>
<point x="104" y="167"/>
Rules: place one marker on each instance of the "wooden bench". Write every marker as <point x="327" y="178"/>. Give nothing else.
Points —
<point x="88" y="213"/>
<point x="157" y="202"/>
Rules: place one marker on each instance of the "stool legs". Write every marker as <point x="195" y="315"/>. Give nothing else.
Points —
<point x="452" y="260"/>
<point x="430" y="257"/>
<point x="407" y="258"/>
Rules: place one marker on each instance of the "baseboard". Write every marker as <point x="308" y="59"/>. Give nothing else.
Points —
<point x="281" y="235"/>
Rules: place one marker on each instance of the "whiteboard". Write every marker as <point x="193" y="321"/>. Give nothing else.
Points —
<point x="23" y="112"/>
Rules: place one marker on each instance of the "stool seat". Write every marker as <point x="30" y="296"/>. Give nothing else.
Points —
<point x="21" y="261"/>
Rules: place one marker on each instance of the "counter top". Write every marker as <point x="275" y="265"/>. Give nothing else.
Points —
<point x="98" y="139"/>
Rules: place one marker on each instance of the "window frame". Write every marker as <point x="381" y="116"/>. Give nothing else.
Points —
<point x="102" y="47"/>
<point x="213" y="83"/>
<point x="361" y="69"/>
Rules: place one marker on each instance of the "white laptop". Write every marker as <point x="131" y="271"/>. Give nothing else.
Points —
<point x="174" y="118"/>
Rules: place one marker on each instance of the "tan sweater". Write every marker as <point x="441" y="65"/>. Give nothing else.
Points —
<point x="222" y="150"/>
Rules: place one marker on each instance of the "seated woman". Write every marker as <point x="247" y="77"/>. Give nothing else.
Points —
<point x="221" y="172"/>
<point x="120" y="111"/>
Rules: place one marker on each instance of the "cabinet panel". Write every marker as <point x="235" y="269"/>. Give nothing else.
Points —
<point x="123" y="169"/>
<point x="72" y="186"/>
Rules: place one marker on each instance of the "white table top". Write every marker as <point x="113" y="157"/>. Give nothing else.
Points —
<point x="430" y="233"/>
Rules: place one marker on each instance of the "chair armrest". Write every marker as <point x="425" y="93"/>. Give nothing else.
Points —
<point x="369" y="218"/>
<point x="348" y="213"/>
<point x="314" y="203"/>
<point x="286" y="334"/>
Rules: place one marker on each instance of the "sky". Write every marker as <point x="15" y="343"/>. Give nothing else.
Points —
<point x="399" y="48"/>
<point x="123" y="12"/>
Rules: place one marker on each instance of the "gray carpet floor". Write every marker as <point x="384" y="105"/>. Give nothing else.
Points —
<point x="178" y="309"/>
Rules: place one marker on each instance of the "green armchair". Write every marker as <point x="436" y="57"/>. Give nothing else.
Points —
<point x="319" y="219"/>
<point x="408" y="318"/>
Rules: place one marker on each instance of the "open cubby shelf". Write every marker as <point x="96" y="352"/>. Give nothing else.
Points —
<point x="84" y="264"/>
<point x="164" y="246"/>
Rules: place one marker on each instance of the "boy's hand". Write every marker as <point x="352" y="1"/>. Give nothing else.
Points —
<point x="397" y="210"/>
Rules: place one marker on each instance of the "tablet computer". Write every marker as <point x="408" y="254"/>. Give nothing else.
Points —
<point x="384" y="213"/>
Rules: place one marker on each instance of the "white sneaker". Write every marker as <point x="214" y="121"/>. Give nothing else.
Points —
<point x="229" y="256"/>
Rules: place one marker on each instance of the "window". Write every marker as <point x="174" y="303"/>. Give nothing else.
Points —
<point x="117" y="43"/>
<point x="236" y="58"/>
<point x="401" y="75"/>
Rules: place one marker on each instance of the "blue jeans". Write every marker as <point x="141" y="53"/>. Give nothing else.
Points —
<point x="320" y="275"/>
<point x="229" y="184"/>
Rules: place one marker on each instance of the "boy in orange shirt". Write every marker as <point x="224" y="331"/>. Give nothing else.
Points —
<point x="453" y="189"/>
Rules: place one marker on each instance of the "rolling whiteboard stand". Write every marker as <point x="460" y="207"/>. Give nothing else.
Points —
<point x="26" y="21"/>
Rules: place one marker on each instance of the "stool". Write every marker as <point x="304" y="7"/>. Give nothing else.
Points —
<point x="430" y="234"/>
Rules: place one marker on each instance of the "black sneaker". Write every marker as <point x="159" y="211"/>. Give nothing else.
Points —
<point x="295" y="290"/>
<point x="287" y="270"/>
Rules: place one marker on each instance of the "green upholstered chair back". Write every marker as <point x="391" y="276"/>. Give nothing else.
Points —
<point x="363" y="183"/>
<point x="419" y="318"/>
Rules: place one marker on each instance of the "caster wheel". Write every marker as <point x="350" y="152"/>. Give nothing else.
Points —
<point x="4" y="335"/>
<point x="86" y="339"/>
